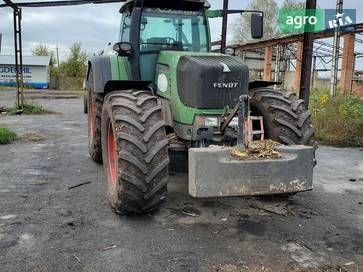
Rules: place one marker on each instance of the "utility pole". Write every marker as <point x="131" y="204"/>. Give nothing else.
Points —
<point x="57" y="56"/>
<point x="336" y="44"/>
<point x="1" y="36"/>
<point x="224" y="25"/>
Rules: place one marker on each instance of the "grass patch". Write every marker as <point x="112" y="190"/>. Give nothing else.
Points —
<point x="29" y="108"/>
<point x="338" y="120"/>
<point x="4" y="88"/>
<point x="32" y="137"/>
<point x="6" y="135"/>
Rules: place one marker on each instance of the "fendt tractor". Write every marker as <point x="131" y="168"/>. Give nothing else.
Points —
<point x="161" y="90"/>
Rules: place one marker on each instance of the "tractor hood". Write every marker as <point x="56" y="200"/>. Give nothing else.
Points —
<point x="206" y="80"/>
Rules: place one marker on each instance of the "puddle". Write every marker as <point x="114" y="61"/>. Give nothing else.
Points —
<point x="8" y="216"/>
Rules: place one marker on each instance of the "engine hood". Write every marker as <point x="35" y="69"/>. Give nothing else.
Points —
<point x="211" y="81"/>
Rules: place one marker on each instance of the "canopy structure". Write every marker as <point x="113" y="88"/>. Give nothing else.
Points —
<point x="307" y="40"/>
<point x="17" y="15"/>
<point x="40" y="4"/>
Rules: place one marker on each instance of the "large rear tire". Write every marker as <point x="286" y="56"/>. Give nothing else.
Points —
<point x="94" y="110"/>
<point x="286" y="119"/>
<point x="135" y="151"/>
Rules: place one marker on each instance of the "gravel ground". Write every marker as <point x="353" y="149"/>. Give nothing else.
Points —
<point x="44" y="226"/>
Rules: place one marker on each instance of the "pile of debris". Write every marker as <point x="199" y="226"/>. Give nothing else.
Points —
<point x="258" y="150"/>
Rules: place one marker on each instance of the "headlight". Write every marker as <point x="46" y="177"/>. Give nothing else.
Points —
<point x="162" y="83"/>
<point x="211" y="121"/>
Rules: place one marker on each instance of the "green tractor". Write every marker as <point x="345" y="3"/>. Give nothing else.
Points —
<point x="160" y="90"/>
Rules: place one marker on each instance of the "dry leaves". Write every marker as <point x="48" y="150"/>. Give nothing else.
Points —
<point x="259" y="150"/>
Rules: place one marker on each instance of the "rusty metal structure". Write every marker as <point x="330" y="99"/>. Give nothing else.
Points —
<point x="320" y="50"/>
<point x="306" y="50"/>
<point x="304" y="53"/>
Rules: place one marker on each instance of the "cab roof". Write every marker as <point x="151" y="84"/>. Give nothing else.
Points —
<point x="169" y="4"/>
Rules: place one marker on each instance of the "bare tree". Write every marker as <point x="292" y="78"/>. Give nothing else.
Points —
<point x="293" y="4"/>
<point x="271" y="30"/>
<point x="41" y="50"/>
<point x="241" y="28"/>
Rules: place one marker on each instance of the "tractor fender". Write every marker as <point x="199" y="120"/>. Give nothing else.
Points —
<point x="101" y="70"/>
<point x="103" y="80"/>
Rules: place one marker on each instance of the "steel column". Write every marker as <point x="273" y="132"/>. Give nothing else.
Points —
<point x="336" y="44"/>
<point x="18" y="58"/>
<point x="224" y="25"/>
<point x="346" y="74"/>
<point x="267" y="64"/>
<point x="20" y="66"/>
<point x="298" y="66"/>
<point x="306" y="60"/>
<point x="18" y="53"/>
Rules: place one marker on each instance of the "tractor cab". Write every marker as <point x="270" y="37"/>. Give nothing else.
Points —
<point x="170" y="30"/>
<point x="163" y="26"/>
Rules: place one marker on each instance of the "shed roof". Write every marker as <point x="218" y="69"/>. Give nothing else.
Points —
<point x="27" y="60"/>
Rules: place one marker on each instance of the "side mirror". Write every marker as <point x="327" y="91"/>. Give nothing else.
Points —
<point x="123" y="49"/>
<point x="257" y="25"/>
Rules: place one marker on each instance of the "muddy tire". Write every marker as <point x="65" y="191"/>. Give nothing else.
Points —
<point x="135" y="151"/>
<point x="94" y="109"/>
<point x="285" y="118"/>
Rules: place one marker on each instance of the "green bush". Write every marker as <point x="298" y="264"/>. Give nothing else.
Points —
<point x="338" y="120"/>
<point x="6" y="135"/>
<point x="29" y="108"/>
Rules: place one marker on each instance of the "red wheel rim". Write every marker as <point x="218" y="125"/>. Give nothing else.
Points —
<point x="91" y="118"/>
<point x="112" y="156"/>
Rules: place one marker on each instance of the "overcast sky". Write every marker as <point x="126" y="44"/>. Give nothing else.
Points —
<point x="96" y="25"/>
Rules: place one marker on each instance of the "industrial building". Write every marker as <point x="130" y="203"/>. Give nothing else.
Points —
<point x="35" y="71"/>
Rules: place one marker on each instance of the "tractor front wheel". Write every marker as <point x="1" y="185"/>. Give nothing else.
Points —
<point x="135" y="151"/>
<point x="286" y="119"/>
<point x="94" y="109"/>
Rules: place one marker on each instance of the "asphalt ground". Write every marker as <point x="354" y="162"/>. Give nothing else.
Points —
<point x="45" y="226"/>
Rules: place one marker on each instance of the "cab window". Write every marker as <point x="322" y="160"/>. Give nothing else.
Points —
<point x="125" y="27"/>
<point x="173" y="30"/>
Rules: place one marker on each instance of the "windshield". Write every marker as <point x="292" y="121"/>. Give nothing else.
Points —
<point x="173" y="30"/>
